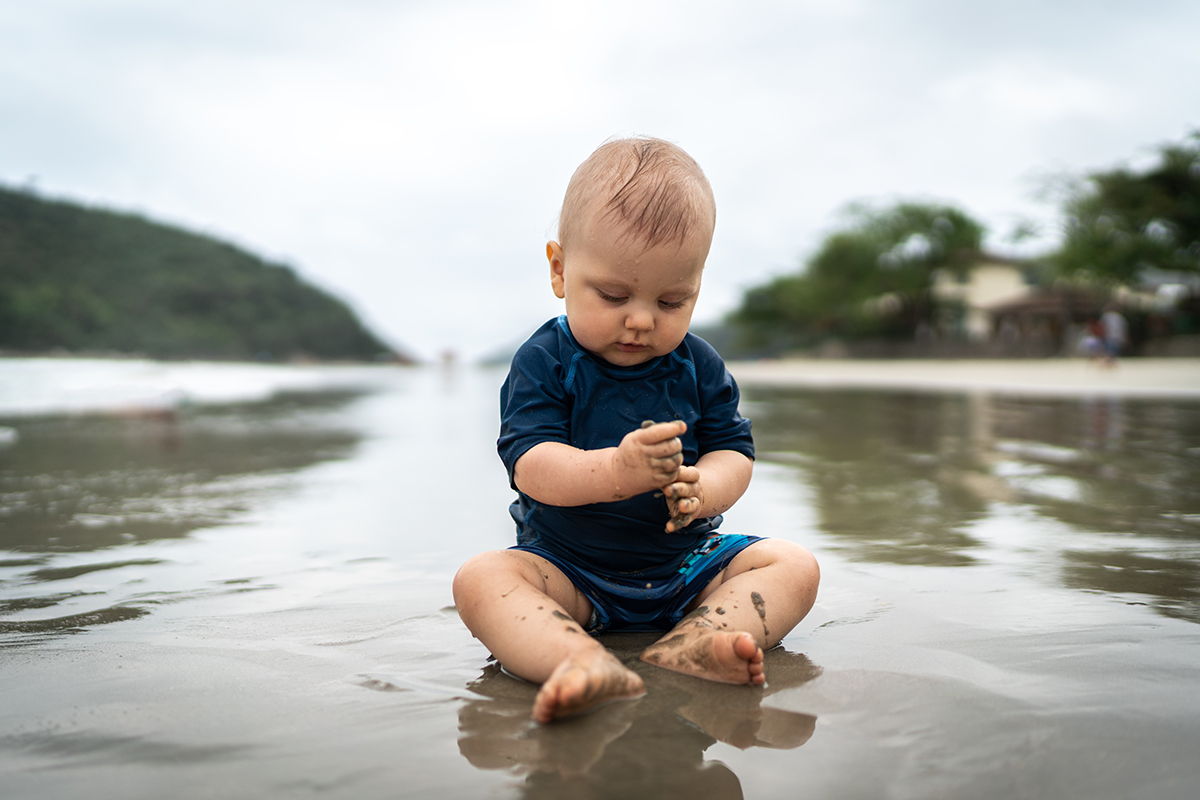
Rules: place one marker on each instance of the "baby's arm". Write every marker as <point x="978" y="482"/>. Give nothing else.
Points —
<point x="560" y="475"/>
<point x="718" y="480"/>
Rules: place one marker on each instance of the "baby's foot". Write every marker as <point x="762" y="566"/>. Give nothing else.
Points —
<point x="586" y="679"/>
<point x="715" y="655"/>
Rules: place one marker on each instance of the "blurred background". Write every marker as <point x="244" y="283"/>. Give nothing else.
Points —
<point x="409" y="158"/>
<point x="219" y="542"/>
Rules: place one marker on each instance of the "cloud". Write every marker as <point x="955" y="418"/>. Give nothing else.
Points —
<point x="1029" y="94"/>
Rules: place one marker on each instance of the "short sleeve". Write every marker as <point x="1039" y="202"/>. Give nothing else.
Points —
<point x="721" y="425"/>
<point x="534" y="405"/>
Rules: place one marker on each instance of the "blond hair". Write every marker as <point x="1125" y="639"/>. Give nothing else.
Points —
<point x="652" y="187"/>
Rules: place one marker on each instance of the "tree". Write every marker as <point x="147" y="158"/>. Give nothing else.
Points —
<point x="1122" y="221"/>
<point x="871" y="278"/>
<point x="88" y="279"/>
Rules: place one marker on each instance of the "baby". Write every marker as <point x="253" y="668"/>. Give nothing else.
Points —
<point x="621" y="434"/>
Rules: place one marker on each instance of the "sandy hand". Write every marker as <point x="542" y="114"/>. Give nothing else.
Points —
<point x="649" y="457"/>
<point x="685" y="498"/>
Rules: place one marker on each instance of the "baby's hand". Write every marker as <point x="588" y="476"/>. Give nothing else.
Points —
<point x="649" y="457"/>
<point x="685" y="498"/>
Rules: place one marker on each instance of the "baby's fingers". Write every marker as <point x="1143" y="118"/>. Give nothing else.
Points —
<point x="668" y="449"/>
<point x="665" y="460"/>
<point x="670" y="463"/>
<point x="682" y="513"/>
<point x="678" y="490"/>
<point x="652" y="432"/>
<point x="666" y="469"/>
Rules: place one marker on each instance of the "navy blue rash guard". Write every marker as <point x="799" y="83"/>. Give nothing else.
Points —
<point x="558" y="392"/>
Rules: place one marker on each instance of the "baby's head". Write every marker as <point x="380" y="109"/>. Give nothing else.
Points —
<point x="634" y="232"/>
<point x="651" y="188"/>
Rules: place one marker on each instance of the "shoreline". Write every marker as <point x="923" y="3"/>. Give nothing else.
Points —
<point x="1061" y="377"/>
<point x="113" y="355"/>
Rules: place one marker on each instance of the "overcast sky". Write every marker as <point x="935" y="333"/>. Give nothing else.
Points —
<point x="411" y="156"/>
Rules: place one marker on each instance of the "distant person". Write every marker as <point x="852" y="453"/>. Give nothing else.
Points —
<point x="1092" y="343"/>
<point x="1116" y="333"/>
<point x="1010" y="335"/>
<point x="621" y="434"/>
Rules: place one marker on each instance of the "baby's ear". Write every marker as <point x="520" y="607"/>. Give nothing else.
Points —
<point x="554" y="254"/>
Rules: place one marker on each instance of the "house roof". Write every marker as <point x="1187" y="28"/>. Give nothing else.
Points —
<point x="1054" y="301"/>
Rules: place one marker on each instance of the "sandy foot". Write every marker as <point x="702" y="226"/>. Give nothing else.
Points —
<point x="583" y="681"/>
<point x="722" y="656"/>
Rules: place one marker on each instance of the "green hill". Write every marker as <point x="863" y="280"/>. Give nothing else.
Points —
<point x="91" y="280"/>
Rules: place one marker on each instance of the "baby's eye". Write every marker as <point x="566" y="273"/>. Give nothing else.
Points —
<point x="671" y="305"/>
<point x="608" y="298"/>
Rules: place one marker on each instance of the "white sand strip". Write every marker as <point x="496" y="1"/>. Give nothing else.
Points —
<point x="1132" y="377"/>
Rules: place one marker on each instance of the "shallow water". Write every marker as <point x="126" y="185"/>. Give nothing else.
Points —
<point x="251" y="598"/>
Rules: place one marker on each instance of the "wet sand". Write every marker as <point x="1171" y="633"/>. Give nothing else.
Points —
<point x="1130" y="377"/>
<point x="1010" y="605"/>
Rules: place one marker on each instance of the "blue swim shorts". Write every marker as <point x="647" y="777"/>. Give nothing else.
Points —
<point x="626" y="603"/>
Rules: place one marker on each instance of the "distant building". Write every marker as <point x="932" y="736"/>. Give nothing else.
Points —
<point x="968" y="298"/>
<point x="1048" y="321"/>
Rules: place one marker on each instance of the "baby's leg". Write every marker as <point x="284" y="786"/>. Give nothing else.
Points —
<point x="763" y="593"/>
<point x="528" y="614"/>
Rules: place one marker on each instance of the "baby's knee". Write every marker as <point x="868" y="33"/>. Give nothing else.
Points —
<point x="806" y="566"/>
<point x="778" y="551"/>
<point x="472" y="575"/>
<point x="491" y="567"/>
<point x="805" y="562"/>
<point x="808" y="577"/>
<point x="799" y="562"/>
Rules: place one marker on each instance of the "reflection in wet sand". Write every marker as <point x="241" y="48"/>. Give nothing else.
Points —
<point x="77" y="493"/>
<point x="890" y="472"/>
<point x="650" y="747"/>
<point x="86" y="483"/>
<point x="902" y="478"/>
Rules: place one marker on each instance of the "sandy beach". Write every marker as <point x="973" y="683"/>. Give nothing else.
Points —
<point x="252" y="597"/>
<point x="1133" y="377"/>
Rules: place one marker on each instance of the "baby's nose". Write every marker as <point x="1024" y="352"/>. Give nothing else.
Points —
<point x="639" y="320"/>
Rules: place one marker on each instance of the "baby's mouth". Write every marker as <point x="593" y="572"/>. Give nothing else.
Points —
<point x="631" y="347"/>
